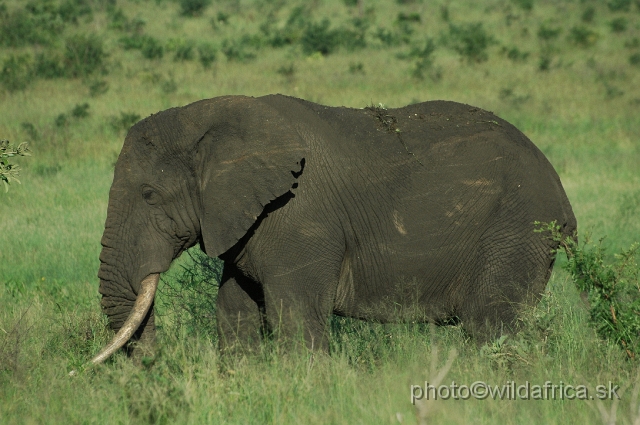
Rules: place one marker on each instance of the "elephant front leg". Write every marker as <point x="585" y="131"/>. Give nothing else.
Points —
<point x="298" y="314"/>
<point x="240" y="323"/>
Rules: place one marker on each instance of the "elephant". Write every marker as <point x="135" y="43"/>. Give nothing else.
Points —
<point x="423" y="213"/>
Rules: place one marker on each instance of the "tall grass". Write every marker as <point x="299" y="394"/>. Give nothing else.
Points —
<point x="562" y="72"/>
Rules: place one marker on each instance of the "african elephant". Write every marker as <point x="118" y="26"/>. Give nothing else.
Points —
<point x="421" y="213"/>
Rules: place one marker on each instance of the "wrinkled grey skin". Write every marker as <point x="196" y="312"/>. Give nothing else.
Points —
<point x="423" y="213"/>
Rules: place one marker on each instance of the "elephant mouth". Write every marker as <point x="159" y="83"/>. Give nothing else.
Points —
<point x="141" y="307"/>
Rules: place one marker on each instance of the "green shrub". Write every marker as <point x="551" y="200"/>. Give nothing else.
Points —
<point x="546" y="33"/>
<point x="16" y="72"/>
<point x="97" y="87"/>
<point x="9" y="172"/>
<point x="515" y="54"/>
<point x="222" y="17"/>
<point x="356" y="68"/>
<point x="61" y="120"/>
<point x="152" y="49"/>
<point x="117" y="19"/>
<point x="84" y="55"/>
<point x="72" y="10"/>
<point x="388" y="37"/>
<point x="619" y="5"/>
<point x="409" y="17"/>
<point x="189" y="298"/>
<point x="545" y="62"/>
<point x="618" y="25"/>
<point x="293" y="30"/>
<point x="634" y="59"/>
<point x="124" y="121"/>
<point x="317" y="37"/>
<point x="524" y="4"/>
<point x="32" y="25"/>
<point x="471" y="41"/>
<point x="207" y="53"/>
<point x="583" y="36"/>
<point x="422" y="57"/>
<point x="633" y="43"/>
<point x="588" y="14"/>
<point x="80" y="111"/>
<point x="237" y="50"/>
<point x="193" y="7"/>
<point x="184" y="51"/>
<point x="612" y="287"/>
<point x="49" y="65"/>
<point x="31" y="131"/>
<point x="287" y="71"/>
<point x="169" y="85"/>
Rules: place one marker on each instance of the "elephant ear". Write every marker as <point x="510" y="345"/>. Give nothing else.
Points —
<point x="248" y="155"/>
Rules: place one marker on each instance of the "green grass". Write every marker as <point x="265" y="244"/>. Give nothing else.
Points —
<point x="581" y="109"/>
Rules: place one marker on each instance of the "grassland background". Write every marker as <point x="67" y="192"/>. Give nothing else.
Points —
<point x="576" y="95"/>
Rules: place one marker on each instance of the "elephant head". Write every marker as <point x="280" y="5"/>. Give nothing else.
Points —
<point x="202" y="173"/>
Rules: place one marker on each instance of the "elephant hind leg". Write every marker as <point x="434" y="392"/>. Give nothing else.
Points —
<point x="508" y="278"/>
<point x="239" y="315"/>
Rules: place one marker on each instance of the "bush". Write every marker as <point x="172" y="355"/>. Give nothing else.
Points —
<point x="148" y="46"/>
<point x="611" y="287"/>
<point x="16" y="72"/>
<point x="49" y="65"/>
<point x="152" y="49"/>
<point x="583" y="36"/>
<point x="515" y="54"/>
<point x="524" y="4"/>
<point x="355" y="38"/>
<point x="471" y="41"/>
<point x="588" y="14"/>
<point x="546" y="33"/>
<point x="293" y="30"/>
<point x="388" y="37"/>
<point x="118" y="20"/>
<point x="317" y="37"/>
<point x="189" y="298"/>
<point x="84" y="55"/>
<point x="237" y="50"/>
<point x="38" y="23"/>
<point x="618" y="25"/>
<point x="619" y="5"/>
<point x="184" y="51"/>
<point x="207" y="54"/>
<point x="124" y="121"/>
<point x="9" y="172"/>
<point x="193" y="7"/>
<point x="71" y="10"/>
<point x="545" y="62"/>
<point x="80" y="111"/>
<point x="422" y="57"/>
<point x="634" y="59"/>
<point x="98" y="87"/>
<point x="409" y="17"/>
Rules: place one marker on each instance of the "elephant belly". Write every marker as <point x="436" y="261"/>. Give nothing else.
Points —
<point x="399" y="280"/>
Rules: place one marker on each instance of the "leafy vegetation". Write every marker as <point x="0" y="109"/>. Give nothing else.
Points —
<point x="612" y="289"/>
<point x="9" y="172"/>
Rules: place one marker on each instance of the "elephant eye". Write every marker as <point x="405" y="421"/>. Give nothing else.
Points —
<point x="150" y="196"/>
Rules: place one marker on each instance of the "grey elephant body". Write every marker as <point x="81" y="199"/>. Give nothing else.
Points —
<point x="423" y="213"/>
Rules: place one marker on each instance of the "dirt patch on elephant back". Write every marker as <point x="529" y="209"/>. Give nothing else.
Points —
<point x="386" y="121"/>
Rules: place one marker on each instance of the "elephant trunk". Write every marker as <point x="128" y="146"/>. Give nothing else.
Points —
<point x="141" y="307"/>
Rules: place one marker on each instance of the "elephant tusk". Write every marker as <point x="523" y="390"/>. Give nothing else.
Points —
<point x="140" y="308"/>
